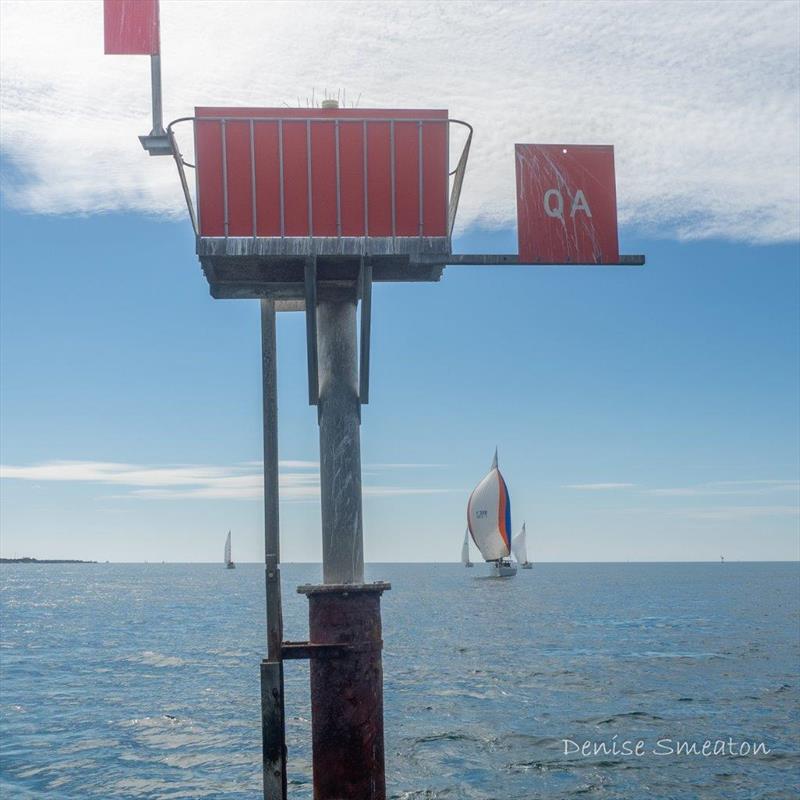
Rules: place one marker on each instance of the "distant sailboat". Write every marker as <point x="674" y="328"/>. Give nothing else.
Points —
<point x="519" y="547"/>
<point x="228" y="561"/>
<point x="489" y="520"/>
<point x="465" y="550"/>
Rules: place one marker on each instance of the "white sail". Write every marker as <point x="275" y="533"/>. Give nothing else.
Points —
<point x="489" y="515"/>
<point x="465" y="549"/>
<point x="519" y="546"/>
<point x="228" y="549"/>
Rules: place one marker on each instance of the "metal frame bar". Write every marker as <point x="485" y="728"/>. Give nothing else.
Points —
<point x="253" y="177"/>
<point x="197" y="196"/>
<point x="366" y="180"/>
<point x="310" y="278"/>
<point x="393" y="159"/>
<point x="501" y="259"/>
<point x="447" y="175"/>
<point x="273" y="721"/>
<point x="421" y="188"/>
<point x="452" y="198"/>
<point x="180" y="163"/>
<point x="338" y="182"/>
<point x="458" y="178"/>
<point x="224" y="140"/>
<point x="280" y="176"/>
<point x="310" y="187"/>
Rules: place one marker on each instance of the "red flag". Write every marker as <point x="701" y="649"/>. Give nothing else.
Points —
<point x="131" y="27"/>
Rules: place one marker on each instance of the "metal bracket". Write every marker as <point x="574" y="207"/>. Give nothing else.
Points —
<point x="364" y="292"/>
<point x="157" y="144"/>
<point x="308" y="650"/>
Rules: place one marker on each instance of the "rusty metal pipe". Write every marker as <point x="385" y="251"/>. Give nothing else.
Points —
<point x="347" y="691"/>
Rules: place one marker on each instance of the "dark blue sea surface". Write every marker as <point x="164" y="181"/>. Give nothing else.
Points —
<point x="141" y="681"/>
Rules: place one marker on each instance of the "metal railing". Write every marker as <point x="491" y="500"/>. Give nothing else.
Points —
<point x="451" y="202"/>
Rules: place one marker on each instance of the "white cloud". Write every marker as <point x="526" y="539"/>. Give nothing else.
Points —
<point x="598" y="487"/>
<point x="733" y="488"/>
<point x="733" y="513"/>
<point x="198" y="482"/>
<point x="700" y="99"/>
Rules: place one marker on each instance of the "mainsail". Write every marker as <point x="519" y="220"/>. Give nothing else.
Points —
<point x="228" y="549"/>
<point x="489" y="515"/>
<point x="465" y="550"/>
<point x="519" y="546"/>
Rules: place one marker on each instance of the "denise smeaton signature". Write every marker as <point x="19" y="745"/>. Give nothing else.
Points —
<point x="663" y="747"/>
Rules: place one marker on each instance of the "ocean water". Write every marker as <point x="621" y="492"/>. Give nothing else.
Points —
<point x="141" y="681"/>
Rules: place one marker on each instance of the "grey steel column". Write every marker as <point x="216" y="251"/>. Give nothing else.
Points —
<point x="339" y="440"/>
<point x="272" y="555"/>
<point x="272" y="702"/>
<point x="155" y="87"/>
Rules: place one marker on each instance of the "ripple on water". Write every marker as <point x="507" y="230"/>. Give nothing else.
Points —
<point x="141" y="682"/>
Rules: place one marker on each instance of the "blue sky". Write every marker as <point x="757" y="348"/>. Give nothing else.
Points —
<point x="641" y="414"/>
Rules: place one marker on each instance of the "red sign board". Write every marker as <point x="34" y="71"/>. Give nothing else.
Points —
<point x="131" y="27"/>
<point x="322" y="172"/>
<point x="566" y="204"/>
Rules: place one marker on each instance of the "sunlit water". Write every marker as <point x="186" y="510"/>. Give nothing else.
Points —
<point x="141" y="681"/>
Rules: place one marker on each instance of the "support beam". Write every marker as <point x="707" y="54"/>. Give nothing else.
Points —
<point x="272" y="702"/>
<point x="272" y="554"/>
<point x="272" y="731"/>
<point x="157" y="142"/>
<point x="512" y="259"/>
<point x="366" y="324"/>
<point x="310" y="279"/>
<point x="339" y="440"/>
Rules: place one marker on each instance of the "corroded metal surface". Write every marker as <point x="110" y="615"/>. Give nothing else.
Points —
<point x="272" y="730"/>
<point x="301" y="246"/>
<point x="272" y="692"/>
<point x="347" y="692"/>
<point x="282" y="277"/>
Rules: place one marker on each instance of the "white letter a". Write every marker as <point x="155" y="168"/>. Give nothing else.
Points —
<point x="579" y="203"/>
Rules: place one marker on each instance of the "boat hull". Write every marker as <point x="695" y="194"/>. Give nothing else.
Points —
<point x="230" y="566"/>
<point x="501" y="569"/>
<point x="527" y="565"/>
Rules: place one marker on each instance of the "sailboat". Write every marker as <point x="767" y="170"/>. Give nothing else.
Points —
<point x="489" y="521"/>
<point x="519" y="547"/>
<point x="228" y="561"/>
<point x="465" y="550"/>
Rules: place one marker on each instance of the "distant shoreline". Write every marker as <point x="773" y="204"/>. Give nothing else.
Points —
<point x="29" y="560"/>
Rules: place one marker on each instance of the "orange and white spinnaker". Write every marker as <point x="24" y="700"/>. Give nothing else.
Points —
<point x="489" y="515"/>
